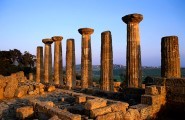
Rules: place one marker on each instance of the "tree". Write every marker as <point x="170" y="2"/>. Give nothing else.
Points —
<point x="25" y="62"/>
<point x="28" y="59"/>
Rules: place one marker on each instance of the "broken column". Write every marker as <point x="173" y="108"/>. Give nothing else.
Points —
<point x="86" y="59"/>
<point x="70" y="64"/>
<point x="170" y="58"/>
<point x="47" y="61"/>
<point x="39" y="65"/>
<point x="58" y="74"/>
<point x="106" y="78"/>
<point x="133" y="63"/>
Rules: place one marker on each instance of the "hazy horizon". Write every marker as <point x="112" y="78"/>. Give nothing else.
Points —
<point x="25" y="23"/>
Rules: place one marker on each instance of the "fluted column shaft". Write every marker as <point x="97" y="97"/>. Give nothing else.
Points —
<point x="133" y="63"/>
<point x="70" y="64"/>
<point x="170" y="57"/>
<point x="58" y="67"/>
<point x="106" y="78"/>
<point x="48" y="61"/>
<point x="86" y="59"/>
<point x="39" y="65"/>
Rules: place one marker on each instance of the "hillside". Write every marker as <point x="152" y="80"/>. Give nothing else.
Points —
<point x="120" y="69"/>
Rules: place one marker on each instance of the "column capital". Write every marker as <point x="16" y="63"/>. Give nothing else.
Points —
<point x="57" y="38"/>
<point x="132" y="18"/>
<point x="47" y="41"/>
<point x="85" y="31"/>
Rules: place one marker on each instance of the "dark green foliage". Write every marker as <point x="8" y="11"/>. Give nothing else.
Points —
<point x="13" y="61"/>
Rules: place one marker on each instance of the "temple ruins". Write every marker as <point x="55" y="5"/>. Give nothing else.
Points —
<point x="52" y="95"/>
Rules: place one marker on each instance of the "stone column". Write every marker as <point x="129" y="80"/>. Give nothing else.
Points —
<point x="170" y="58"/>
<point x="58" y="71"/>
<point x="70" y="64"/>
<point x="39" y="65"/>
<point x="86" y="58"/>
<point x="106" y="81"/>
<point x="133" y="63"/>
<point x="47" y="61"/>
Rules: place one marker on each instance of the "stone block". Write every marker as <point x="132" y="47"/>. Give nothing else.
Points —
<point x="150" y="99"/>
<point x="95" y="103"/>
<point x="144" y="110"/>
<point x="51" y="88"/>
<point x="161" y="90"/>
<point x="80" y="99"/>
<point x="11" y="86"/>
<point x="1" y="93"/>
<point x="51" y="111"/>
<point x="151" y="90"/>
<point x="119" y="106"/>
<point x="21" y="91"/>
<point x="55" y="117"/>
<point x="24" y="112"/>
<point x="2" y="82"/>
<point x="100" y="111"/>
<point x="131" y="114"/>
<point x="49" y="103"/>
<point x="20" y="76"/>
<point x="111" y="116"/>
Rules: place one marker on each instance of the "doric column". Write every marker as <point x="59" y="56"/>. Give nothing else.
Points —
<point x="170" y="58"/>
<point x="106" y="82"/>
<point x="58" y="74"/>
<point x="39" y="65"/>
<point x="70" y="64"/>
<point x="133" y="63"/>
<point x="47" y="61"/>
<point x="86" y="58"/>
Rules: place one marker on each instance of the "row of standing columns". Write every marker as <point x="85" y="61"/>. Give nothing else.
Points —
<point x="170" y="58"/>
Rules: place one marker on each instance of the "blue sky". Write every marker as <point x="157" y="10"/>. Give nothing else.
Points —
<point x="24" y="23"/>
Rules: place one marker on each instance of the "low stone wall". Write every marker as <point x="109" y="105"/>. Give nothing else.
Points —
<point x="151" y="102"/>
<point x="175" y="89"/>
<point x="17" y="85"/>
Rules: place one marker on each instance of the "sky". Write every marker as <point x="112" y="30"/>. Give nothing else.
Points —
<point x="24" y="23"/>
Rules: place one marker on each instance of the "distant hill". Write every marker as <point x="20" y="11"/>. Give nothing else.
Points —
<point x="121" y="69"/>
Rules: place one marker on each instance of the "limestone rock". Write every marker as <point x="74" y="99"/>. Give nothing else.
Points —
<point x="111" y="116"/>
<point x="115" y="107"/>
<point x="55" y="117"/>
<point x="24" y="112"/>
<point x="95" y="103"/>
<point x="119" y="106"/>
<point x="20" y="76"/>
<point x="131" y="114"/>
<point x="51" y="88"/>
<point x="11" y="86"/>
<point x="100" y="111"/>
<point x="1" y="93"/>
<point x="144" y="110"/>
<point x="80" y="99"/>
<point x="151" y="90"/>
<point x="21" y="91"/>
<point x="150" y="99"/>
<point x="49" y="103"/>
